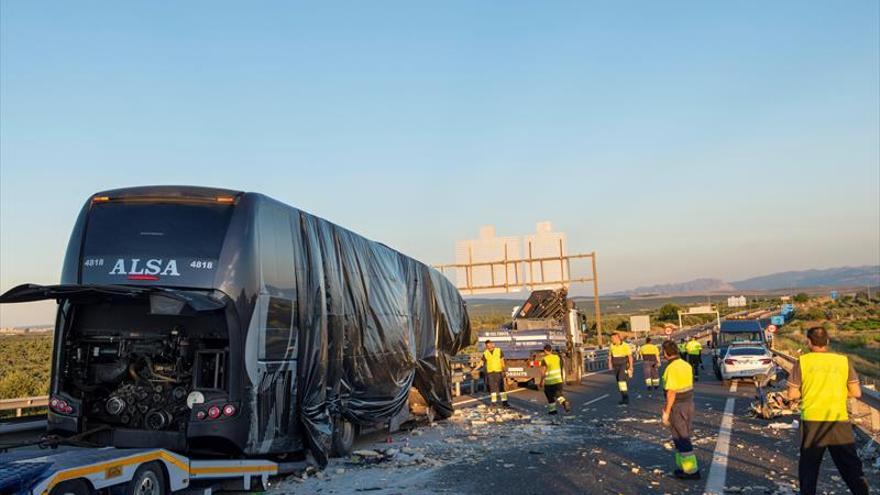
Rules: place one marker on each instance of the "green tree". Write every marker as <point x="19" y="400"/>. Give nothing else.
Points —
<point x="668" y="312"/>
<point x="801" y="297"/>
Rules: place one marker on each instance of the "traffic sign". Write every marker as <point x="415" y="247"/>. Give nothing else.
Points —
<point x="668" y="331"/>
<point x="771" y="328"/>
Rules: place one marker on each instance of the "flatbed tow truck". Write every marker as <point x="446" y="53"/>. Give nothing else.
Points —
<point x="85" y="470"/>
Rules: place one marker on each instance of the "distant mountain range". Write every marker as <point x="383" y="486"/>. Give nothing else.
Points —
<point x="859" y="276"/>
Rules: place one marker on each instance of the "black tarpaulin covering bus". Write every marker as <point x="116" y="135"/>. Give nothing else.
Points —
<point x="378" y="323"/>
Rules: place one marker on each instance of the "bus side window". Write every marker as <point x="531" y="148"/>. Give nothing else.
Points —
<point x="278" y="344"/>
<point x="278" y="283"/>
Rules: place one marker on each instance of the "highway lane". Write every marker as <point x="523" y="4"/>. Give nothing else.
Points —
<point x="625" y="449"/>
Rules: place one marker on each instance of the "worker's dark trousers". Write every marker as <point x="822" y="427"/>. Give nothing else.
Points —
<point x="681" y="426"/>
<point x="620" y="365"/>
<point x="837" y="437"/>
<point x="495" y="381"/>
<point x="695" y="360"/>
<point x="651" y="370"/>
<point x="553" y="392"/>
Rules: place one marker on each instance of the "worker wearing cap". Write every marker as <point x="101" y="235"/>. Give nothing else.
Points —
<point x="694" y="350"/>
<point x="678" y="412"/>
<point x="650" y="364"/>
<point x="493" y="360"/>
<point x="551" y="380"/>
<point x="621" y="361"/>
<point x="823" y="381"/>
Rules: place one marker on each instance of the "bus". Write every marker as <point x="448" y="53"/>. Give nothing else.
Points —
<point x="217" y="321"/>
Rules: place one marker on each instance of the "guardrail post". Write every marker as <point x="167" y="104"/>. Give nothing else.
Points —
<point x="18" y="412"/>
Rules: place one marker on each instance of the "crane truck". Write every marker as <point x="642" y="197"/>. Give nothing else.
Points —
<point x="546" y="317"/>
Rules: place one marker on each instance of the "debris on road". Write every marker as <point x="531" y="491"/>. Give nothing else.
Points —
<point x="784" y="426"/>
<point x="774" y="405"/>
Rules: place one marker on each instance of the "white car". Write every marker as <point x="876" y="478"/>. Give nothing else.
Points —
<point x="747" y="361"/>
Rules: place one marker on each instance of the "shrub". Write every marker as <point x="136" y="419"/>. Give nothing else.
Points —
<point x="801" y="297"/>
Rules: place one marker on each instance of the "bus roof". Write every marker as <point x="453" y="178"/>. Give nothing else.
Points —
<point x="167" y="192"/>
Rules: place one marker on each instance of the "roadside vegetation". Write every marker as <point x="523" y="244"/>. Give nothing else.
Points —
<point x="853" y="322"/>
<point x="25" y="361"/>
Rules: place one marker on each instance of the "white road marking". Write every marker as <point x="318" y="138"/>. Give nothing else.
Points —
<point x="718" y="470"/>
<point x="585" y="375"/>
<point x="475" y="399"/>
<point x="597" y="399"/>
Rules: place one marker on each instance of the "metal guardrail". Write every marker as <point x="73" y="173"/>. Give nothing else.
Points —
<point x="865" y="411"/>
<point x="23" y="403"/>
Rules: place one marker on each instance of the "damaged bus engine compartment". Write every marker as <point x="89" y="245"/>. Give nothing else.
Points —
<point x="128" y="367"/>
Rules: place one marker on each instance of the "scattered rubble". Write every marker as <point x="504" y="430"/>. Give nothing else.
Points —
<point x="774" y="405"/>
<point x="784" y="426"/>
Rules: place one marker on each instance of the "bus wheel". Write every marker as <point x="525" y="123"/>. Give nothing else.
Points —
<point x="343" y="437"/>
<point x="149" y="479"/>
<point x="73" y="487"/>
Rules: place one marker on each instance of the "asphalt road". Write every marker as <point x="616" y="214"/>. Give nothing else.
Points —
<point x="611" y="448"/>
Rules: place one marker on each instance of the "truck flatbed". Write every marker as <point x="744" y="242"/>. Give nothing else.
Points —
<point x="39" y="471"/>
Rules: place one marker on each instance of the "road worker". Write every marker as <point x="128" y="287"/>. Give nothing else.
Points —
<point x="621" y="361"/>
<point x="650" y="364"/>
<point x="823" y="380"/>
<point x="496" y="368"/>
<point x="694" y="353"/>
<point x="551" y="380"/>
<point x="682" y="348"/>
<point x="678" y="412"/>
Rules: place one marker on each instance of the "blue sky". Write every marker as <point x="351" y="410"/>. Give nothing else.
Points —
<point x="677" y="139"/>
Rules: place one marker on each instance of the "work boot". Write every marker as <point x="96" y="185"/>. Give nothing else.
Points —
<point x="567" y="406"/>
<point x="623" y="400"/>
<point x="684" y="476"/>
<point x="505" y="404"/>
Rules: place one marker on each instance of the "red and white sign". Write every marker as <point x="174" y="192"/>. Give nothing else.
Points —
<point x="668" y="331"/>
<point x="771" y="328"/>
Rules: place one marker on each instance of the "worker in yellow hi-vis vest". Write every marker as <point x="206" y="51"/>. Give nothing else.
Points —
<point x="824" y="380"/>
<point x="650" y="364"/>
<point x="678" y="412"/>
<point x="493" y="361"/>
<point x="694" y="351"/>
<point x="551" y="380"/>
<point x="621" y="361"/>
